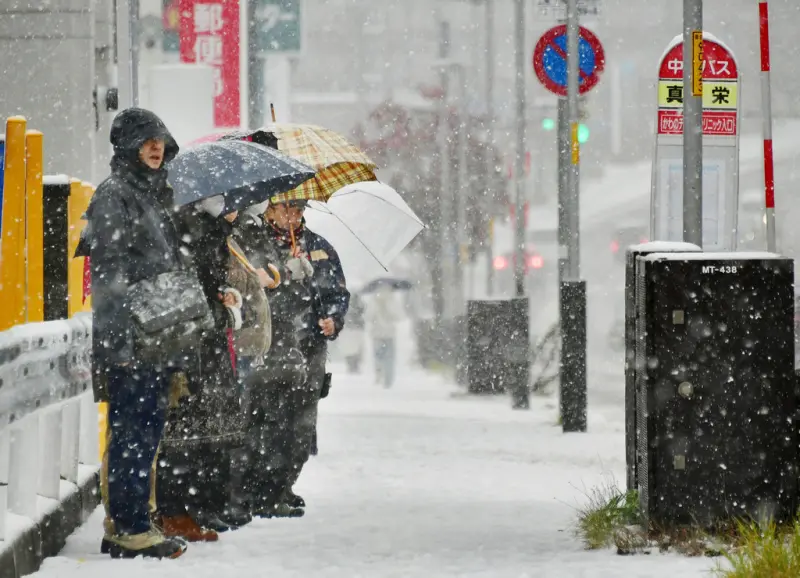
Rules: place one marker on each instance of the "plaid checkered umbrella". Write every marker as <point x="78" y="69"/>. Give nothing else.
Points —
<point x="338" y="162"/>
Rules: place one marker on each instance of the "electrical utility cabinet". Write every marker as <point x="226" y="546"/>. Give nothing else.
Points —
<point x="631" y="254"/>
<point x="716" y="436"/>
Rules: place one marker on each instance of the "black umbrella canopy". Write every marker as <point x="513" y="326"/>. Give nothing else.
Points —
<point x="244" y="173"/>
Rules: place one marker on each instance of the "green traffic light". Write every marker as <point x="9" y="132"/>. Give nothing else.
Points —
<point x="548" y="124"/>
<point x="583" y="133"/>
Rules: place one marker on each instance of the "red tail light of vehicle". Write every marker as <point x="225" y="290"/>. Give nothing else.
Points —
<point x="500" y="263"/>
<point x="614" y="246"/>
<point x="535" y="262"/>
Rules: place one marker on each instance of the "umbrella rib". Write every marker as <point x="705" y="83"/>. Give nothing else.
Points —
<point x="363" y="192"/>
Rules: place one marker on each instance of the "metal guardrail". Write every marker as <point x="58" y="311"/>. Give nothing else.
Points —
<point x="48" y="419"/>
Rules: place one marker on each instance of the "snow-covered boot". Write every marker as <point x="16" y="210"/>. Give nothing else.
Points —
<point x="150" y="544"/>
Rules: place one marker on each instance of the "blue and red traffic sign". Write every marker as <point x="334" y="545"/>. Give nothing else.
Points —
<point x="550" y="60"/>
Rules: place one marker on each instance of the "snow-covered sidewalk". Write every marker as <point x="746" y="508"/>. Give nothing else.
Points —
<point x="414" y="481"/>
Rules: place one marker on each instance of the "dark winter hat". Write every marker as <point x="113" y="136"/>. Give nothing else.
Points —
<point x="134" y="126"/>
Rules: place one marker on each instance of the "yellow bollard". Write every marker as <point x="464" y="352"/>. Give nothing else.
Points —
<point x="12" y="246"/>
<point x="34" y="219"/>
<point x="76" y="206"/>
<point x="102" y="426"/>
<point x="88" y="191"/>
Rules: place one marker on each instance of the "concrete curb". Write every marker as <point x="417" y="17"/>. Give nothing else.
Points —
<point x="47" y="537"/>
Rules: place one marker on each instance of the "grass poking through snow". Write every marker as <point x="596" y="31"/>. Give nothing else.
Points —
<point x="766" y="551"/>
<point x="607" y="511"/>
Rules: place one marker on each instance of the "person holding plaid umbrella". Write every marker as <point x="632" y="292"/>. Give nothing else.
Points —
<point x="321" y="322"/>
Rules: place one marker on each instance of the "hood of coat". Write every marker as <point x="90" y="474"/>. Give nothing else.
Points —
<point x="133" y="127"/>
<point x="129" y="131"/>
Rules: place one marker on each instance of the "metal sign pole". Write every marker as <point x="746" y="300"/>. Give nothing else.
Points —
<point x="519" y="165"/>
<point x="766" y="109"/>
<point x="573" y="290"/>
<point x="693" y="122"/>
<point x="490" y="160"/>
<point x="573" y="176"/>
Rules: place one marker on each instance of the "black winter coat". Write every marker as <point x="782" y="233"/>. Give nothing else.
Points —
<point x="211" y="417"/>
<point x="289" y="303"/>
<point x="133" y="236"/>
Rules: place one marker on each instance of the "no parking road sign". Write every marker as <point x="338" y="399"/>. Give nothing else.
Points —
<point x="550" y="60"/>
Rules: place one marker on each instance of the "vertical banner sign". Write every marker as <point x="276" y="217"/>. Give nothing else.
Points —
<point x="697" y="63"/>
<point x="209" y="34"/>
<point x="719" y="89"/>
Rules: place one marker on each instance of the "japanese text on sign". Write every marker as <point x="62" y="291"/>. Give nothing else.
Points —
<point x="716" y="95"/>
<point x="208" y="23"/>
<point x="209" y="34"/>
<point x="698" y="63"/>
<point x="717" y="63"/>
<point x="670" y="122"/>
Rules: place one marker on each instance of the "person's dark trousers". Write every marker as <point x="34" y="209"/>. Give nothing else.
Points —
<point x="136" y="414"/>
<point x="304" y="404"/>
<point x="192" y="478"/>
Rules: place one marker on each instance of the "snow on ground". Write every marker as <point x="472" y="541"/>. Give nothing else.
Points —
<point x="416" y="481"/>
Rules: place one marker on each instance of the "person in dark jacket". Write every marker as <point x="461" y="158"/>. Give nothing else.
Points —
<point x="133" y="237"/>
<point x="322" y="321"/>
<point x="274" y="388"/>
<point x="205" y="428"/>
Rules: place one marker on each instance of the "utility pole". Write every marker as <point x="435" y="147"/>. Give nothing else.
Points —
<point x="445" y="178"/>
<point x="490" y="167"/>
<point x="693" y="121"/>
<point x="573" y="290"/>
<point x="519" y="165"/>
<point x="462" y="191"/>
<point x="126" y="26"/>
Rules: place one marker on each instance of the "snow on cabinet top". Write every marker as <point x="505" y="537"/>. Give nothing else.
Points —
<point x="55" y="180"/>
<point x="743" y="256"/>
<point x="665" y="247"/>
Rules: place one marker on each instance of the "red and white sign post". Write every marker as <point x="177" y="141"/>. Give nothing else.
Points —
<point x="721" y="88"/>
<point x="210" y="34"/>
<point x="766" y="107"/>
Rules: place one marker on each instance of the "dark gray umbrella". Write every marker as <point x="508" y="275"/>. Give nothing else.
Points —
<point x="245" y="173"/>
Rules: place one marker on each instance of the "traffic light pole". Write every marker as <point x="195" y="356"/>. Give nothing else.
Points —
<point x="572" y="289"/>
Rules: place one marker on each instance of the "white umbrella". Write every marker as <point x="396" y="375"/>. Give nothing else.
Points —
<point x="368" y="224"/>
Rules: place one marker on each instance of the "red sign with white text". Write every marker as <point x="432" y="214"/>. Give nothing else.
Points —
<point x="209" y="34"/>
<point x="721" y="123"/>
<point x="718" y="63"/>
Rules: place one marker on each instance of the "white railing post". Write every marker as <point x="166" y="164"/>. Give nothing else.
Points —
<point x="24" y="466"/>
<point x="4" y="472"/>
<point x="50" y="453"/>
<point x="70" y="426"/>
<point x="89" y="448"/>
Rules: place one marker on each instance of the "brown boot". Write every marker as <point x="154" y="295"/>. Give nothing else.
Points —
<point x="184" y="527"/>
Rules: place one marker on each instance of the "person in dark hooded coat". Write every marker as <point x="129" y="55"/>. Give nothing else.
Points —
<point x="133" y="238"/>
<point x="205" y="429"/>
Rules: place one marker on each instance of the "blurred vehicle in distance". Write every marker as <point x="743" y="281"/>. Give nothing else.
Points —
<point x="625" y="236"/>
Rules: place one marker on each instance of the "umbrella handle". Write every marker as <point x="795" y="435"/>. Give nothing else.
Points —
<point x="294" y="239"/>
<point x="276" y="276"/>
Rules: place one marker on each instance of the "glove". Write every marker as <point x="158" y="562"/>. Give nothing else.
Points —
<point x="326" y="386"/>
<point x="299" y="268"/>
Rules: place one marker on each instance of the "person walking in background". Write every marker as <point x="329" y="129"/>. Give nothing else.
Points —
<point x="382" y="318"/>
<point x="133" y="238"/>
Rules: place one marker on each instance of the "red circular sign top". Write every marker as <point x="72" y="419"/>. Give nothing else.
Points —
<point x="718" y="63"/>
<point x="547" y="42"/>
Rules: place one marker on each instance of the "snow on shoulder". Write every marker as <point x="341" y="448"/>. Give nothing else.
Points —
<point x="744" y="256"/>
